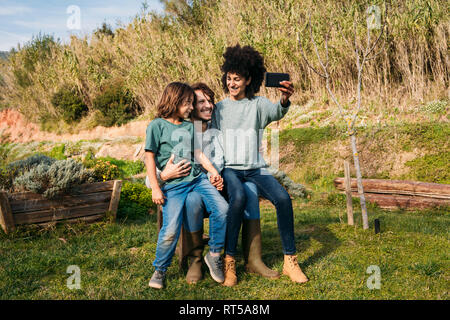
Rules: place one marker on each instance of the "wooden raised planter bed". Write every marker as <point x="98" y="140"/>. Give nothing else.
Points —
<point x="400" y="194"/>
<point x="88" y="202"/>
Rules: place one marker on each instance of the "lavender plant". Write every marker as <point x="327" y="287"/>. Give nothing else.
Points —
<point x="295" y="190"/>
<point x="53" y="180"/>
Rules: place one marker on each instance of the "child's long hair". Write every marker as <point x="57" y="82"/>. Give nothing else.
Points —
<point x="172" y="97"/>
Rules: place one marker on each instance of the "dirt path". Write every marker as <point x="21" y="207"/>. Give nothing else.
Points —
<point x="16" y="128"/>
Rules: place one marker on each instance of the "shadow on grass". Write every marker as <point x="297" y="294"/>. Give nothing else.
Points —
<point x="272" y="252"/>
<point x="329" y="243"/>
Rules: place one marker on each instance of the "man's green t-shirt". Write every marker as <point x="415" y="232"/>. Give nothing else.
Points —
<point x="164" y="138"/>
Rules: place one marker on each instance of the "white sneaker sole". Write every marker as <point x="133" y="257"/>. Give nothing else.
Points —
<point x="212" y="274"/>
<point x="155" y="285"/>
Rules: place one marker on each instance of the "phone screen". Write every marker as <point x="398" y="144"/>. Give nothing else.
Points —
<point x="273" y="79"/>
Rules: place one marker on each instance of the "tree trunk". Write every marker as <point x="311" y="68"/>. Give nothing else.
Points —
<point x="362" y="199"/>
<point x="348" y="192"/>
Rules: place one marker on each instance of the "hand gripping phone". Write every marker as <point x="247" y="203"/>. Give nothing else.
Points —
<point x="273" y="79"/>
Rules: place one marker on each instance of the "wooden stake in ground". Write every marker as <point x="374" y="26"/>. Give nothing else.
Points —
<point x="348" y="192"/>
<point x="362" y="54"/>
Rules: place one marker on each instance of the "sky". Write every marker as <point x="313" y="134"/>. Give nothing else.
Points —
<point x="20" y="20"/>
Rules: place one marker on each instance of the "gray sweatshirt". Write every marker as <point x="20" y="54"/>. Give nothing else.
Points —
<point x="242" y="125"/>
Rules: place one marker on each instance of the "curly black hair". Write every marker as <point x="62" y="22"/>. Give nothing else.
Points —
<point x="247" y="62"/>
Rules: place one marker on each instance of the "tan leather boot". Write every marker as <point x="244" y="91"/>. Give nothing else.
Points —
<point x="292" y="269"/>
<point x="194" y="248"/>
<point x="229" y="271"/>
<point x="251" y="244"/>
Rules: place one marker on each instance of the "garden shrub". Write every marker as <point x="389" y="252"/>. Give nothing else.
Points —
<point x="113" y="168"/>
<point x="135" y="200"/>
<point x="295" y="190"/>
<point x="116" y="105"/>
<point x="9" y="172"/>
<point x="58" y="152"/>
<point x="53" y="180"/>
<point x="127" y="168"/>
<point x="89" y="160"/>
<point x="30" y="162"/>
<point x="7" y="176"/>
<point x="138" y="193"/>
<point x="103" y="169"/>
<point x="69" y="104"/>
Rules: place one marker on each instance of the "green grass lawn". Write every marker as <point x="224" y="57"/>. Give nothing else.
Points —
<point x="115" y="260"/>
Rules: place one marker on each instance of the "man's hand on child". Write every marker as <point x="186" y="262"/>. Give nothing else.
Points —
<point x="172" y="171"/>
<point x="216" y="181"/>
<point x="287" y="91"/>
<point x="158" y="196"/>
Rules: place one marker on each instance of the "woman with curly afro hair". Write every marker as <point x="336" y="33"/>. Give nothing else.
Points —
<point x="241" y="118"/>
<point x="246" y="62"/>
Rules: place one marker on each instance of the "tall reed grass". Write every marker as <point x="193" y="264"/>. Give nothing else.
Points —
<point x="153" y="50"/>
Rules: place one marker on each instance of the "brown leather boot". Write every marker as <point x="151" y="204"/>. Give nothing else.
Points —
<point x="251" y="244"/>
<point x="229" y="271"/>
<point x="292" y="269"/>
<point x="194" y="247"/>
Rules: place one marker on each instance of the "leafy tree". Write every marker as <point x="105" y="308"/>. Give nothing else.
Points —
<point x="105" y="29"/>
<point x="116" y="105"/>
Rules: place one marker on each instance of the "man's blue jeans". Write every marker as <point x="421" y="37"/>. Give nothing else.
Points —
<point x="172" y="212"/>
<point x="269" y="188"/>
<point x="195" y="209"/>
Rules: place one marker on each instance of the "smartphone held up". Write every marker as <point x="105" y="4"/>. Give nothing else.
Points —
<point x="273" y="79"/>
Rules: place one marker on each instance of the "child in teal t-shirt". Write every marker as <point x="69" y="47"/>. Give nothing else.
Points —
<point x="170" y="134"/>
<point x="160" y="132"/>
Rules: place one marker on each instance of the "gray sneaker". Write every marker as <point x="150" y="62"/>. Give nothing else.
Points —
<point x="157" y="280"/>
<point x="215" y="265"/>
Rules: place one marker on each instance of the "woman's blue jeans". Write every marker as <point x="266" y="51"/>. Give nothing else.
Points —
<point x="196" y="211"/>
<point x="269" y="188"/>
<point x="173" y="211"/>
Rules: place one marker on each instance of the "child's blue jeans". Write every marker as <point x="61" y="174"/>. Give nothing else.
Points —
<point x="195" y="209"/>
<point x="173" y="217"/>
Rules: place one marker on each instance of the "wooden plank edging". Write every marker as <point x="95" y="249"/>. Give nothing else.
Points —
<point x="23" y="206"/>
<point x="88" y="202"/>
<point x="6" y="217"/>
<point x="400" y="187"/>
<point x="60" y="214"/>
<point x="78" y="190"/>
